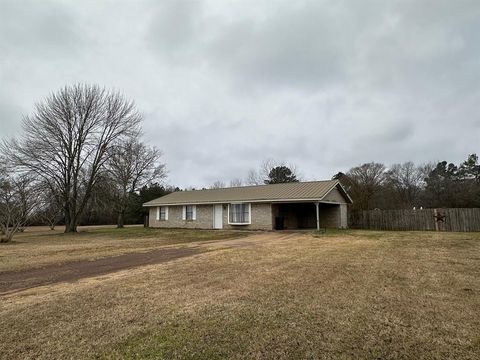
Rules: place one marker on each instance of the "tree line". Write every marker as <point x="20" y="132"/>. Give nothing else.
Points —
<point x="406" y="186"/>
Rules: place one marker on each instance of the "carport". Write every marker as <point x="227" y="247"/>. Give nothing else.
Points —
<point x="305" y="215"/>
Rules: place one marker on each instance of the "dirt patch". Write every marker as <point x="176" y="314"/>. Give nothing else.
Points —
<point x="19" y="280"/>
<point x="13" y="281"/>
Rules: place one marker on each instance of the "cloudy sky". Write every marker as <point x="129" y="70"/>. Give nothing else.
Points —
<point x="223" y="84"/>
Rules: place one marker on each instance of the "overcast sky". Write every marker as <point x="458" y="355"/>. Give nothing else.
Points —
<point x="326" y="85"/>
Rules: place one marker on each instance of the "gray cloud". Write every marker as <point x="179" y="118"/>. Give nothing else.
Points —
<point x="174" y="28"/>
<point x="40" y="30"/>
<point x="324" y="84"/>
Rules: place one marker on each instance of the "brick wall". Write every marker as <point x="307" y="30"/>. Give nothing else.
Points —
<point x="329" y="216"/>
<point x="261" y="218"/>
<point x="204" y="218"/>
<point x="343" y="216"/>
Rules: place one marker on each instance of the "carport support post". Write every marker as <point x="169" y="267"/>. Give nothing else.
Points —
<point x="318" y="216"/>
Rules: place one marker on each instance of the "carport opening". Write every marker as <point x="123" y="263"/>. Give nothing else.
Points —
<point x="302" y="216"/>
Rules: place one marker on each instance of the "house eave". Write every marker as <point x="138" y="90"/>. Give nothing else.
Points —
<point x="252" y="201"/>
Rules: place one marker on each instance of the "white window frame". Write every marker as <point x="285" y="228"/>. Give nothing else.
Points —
<point x="249" y="214"/>
<point x="159" y="213"/>
<point x="194" y="213"/>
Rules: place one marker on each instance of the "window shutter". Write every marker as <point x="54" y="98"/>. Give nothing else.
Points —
<point x="166" y="212"/>
<point x="158" y="213"/>
<point x="184" y="212"/>
<point x="194" y="210"/>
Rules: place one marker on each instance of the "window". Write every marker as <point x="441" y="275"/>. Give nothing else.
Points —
<point x="239" y="214"/>
<point x="189" y="212"/>
<point x="162" y="213"/>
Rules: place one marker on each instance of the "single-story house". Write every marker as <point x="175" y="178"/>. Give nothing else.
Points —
<point x="301" y="205"/>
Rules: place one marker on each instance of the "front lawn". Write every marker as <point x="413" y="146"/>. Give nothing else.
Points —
<point x="345" y="295"/>
<point x="39" y="246"/>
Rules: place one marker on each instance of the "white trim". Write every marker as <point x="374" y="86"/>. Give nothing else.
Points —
<point x="215" y="225"/>
<point x="159" y="213"/>
<point x="249" y="214"/>
<point x="194" y="212"/>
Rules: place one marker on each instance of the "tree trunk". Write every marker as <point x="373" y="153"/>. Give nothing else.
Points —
<point x="66" y="213"/>
<point x="8" y="236"/>
<point x="121" y="219"/>
<point x="70" y="223"/>
<point x="71" y="218"/>
<point x="71" y="228"/>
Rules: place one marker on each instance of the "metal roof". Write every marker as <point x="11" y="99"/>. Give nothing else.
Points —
<point x="300" y="191"/>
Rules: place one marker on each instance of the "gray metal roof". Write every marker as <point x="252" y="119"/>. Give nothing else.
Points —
<point x="301" y="191"/>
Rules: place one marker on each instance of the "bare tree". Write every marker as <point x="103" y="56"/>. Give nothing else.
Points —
<point x="253" y="178"/>
<point x="365" y="180"/>
<point x="17" y="201"/>
<point x="218" y="185"/>
<point x="66" y="141"/>
<point x="49" y="204"/>
<point x="236" y="182"/>
<point x="406" y="181"/>
<point x="267" y="166"/>
<point x="132" y="165"/>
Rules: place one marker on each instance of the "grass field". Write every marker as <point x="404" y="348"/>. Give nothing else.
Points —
<point x="345" y="294"/>
<point x="39" y="246"/>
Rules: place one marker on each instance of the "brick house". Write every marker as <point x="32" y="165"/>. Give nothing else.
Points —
<point x="302" y="205"/>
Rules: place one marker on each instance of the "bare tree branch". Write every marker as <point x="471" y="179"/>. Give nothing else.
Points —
<point x="218" y="185"/>
<point x="130" y="166"/>
<point x="17" y="202"/>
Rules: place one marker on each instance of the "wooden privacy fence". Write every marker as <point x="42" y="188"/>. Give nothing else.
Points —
<point x="424" y="219"/>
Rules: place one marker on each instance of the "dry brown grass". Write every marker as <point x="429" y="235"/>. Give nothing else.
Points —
<point x="39" y="246"/>
<point x="347" y="295"/>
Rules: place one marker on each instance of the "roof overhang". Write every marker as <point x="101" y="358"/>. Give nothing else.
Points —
<point x="336" y="184"/>
<point x="253" y="201"/>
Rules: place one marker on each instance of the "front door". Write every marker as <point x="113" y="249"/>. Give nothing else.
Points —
<point x="218" y="216"/>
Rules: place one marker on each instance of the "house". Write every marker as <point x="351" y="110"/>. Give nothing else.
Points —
<point x="301" y="205"/>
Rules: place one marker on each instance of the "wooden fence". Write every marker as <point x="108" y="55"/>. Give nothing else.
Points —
<point x="425" y="219"/>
